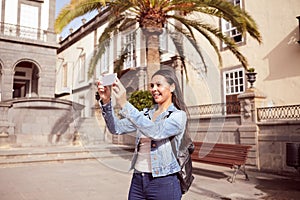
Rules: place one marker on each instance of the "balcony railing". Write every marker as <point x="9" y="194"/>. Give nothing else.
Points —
<point x="23" y="32"/>
<point x="215" y="109"/>
<point x="289" y="112"/>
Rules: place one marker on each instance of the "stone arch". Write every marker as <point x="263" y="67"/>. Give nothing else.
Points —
<point x="26" y="78"/>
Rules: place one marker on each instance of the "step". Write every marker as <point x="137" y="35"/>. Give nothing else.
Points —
<point x="19" y="156"/>
<point x="91" y="131"/>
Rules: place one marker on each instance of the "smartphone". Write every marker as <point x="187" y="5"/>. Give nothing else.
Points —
<point x="108" y="79"/>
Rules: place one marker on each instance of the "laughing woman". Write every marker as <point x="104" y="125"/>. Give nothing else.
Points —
<point x="154" y="163"/>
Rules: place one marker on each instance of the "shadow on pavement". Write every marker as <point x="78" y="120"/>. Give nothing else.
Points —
<point x="209" y="173"/>
<point x="277" y="186"/>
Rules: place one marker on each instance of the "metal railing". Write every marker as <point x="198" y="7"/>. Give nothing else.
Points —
<point x="216" y="109"/>
<point x="288" y="112"/>
<point x="23" y="32"/>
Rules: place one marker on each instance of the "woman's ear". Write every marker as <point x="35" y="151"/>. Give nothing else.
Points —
<point x="172" y="87"/>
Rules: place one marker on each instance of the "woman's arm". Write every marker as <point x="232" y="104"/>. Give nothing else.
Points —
<point x="171" y="125"/>
<point x="114" y="124"/>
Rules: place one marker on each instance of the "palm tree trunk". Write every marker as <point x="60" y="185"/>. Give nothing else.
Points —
<point x="152" y="54"/>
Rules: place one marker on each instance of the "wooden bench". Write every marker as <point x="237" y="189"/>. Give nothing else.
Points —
<point x="233" y="156"/>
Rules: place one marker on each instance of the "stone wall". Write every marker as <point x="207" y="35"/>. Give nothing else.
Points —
<point x="42" y="121"/>
<point x="272" y="140"/>
<point x="221" y="129"/>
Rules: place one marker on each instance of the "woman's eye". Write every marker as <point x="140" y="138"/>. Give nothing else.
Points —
<point x="151" y="85"/>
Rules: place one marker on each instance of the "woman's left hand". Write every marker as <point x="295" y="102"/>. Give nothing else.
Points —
<point x="119" y="92"/>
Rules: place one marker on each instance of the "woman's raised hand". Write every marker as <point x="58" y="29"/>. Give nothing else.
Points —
<point x="119" y="92"/>
<point x="104" y="92"/>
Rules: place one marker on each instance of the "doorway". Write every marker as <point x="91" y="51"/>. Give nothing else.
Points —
<point x="25" y="80"/>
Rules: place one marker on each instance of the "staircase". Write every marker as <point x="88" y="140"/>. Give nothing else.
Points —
<point x="103" y="152"/>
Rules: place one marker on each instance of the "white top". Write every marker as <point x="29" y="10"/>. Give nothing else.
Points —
<point x="143" y="162"/>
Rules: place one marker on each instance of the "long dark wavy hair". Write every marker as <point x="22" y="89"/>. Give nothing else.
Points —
<point x="177" y="97"/>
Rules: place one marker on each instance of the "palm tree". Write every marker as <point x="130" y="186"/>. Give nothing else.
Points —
<point x="153" y="15"/>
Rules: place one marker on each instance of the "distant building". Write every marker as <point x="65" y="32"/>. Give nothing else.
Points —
<point x="219" y="99"/>
<point x="28" y="46"/>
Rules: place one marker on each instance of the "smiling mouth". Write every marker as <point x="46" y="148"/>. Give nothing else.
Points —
<point x="155" y="96"/>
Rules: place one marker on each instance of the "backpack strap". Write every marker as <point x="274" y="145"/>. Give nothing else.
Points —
<point x="146" y="113"/>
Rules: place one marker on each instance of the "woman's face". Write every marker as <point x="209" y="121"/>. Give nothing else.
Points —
<point x="161" y="90"/>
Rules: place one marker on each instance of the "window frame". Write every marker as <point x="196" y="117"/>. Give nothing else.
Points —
<point x="65" y="76"/>
<point x="104" y="61"/>
<point x="130" y="38"/>
<point x="230" y="29"/>
<point x="232" y="82"/>
<point x="82" y="67"/>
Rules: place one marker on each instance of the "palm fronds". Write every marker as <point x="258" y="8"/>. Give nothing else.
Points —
<point x="158" y="13"/>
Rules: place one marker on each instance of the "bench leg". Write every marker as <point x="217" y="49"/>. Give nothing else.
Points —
<point x="245" y="173"/>
<point x="239" y="168"/>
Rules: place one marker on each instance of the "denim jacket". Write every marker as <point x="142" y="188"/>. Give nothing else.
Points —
<point x="166" y="125"/>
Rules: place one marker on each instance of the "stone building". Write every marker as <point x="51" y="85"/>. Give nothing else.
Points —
<point x="224" y="107"/>
<point x="28" y="48"/>
<point x="46" y="95"/>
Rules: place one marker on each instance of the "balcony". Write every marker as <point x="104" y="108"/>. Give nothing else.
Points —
<point x="229" y="108"/>
<point x="23" y="33"/>
<point x="287" y="112"/>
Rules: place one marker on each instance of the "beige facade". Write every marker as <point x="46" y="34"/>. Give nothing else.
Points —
<point x="277" y="59"/>
<point x="276" y="62"/>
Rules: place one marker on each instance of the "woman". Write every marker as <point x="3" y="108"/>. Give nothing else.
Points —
<point x="154" y="163"/>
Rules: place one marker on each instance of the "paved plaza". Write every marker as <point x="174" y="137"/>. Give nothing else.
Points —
<point x="108" y="178"/>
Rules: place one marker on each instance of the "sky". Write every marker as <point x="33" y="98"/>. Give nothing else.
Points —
<point x="75" y="24"/>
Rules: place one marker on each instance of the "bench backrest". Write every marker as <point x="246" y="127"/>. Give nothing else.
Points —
<point x="227" y="154"/>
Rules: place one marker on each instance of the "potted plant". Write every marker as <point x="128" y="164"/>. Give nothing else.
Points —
<point x="251" y="76"/>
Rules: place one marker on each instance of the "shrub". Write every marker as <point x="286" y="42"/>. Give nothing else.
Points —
<point x="141" y="99"/>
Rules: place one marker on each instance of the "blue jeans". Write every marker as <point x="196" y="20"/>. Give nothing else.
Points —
<point x="145" y="187"/>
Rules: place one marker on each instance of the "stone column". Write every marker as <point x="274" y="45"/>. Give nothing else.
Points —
<point x="51" y="36"/>
<point x="7" y="81"/>
<point x="250" y="101"/>
<point x="142" y="80"/>
<point x="178" y="66"/>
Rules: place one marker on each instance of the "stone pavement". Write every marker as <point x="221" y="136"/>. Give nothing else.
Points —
<point x="108" y="178"/>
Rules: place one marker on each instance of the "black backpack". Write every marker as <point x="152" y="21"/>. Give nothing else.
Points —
<point x="185" y="175"/>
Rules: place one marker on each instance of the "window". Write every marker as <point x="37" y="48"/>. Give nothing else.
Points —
<point x="129" y="41"/>
<point x="104" y="62"/>
<point x="229" y="30"/>
<point x="234" y="82"/>
<point x="163" y="39"/>
<point x="82" y="67"/>
<point x="65" y="76"/>
<point x="29" y="21"/>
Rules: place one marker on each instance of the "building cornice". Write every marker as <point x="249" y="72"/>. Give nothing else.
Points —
<point x="84" y="30"/>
